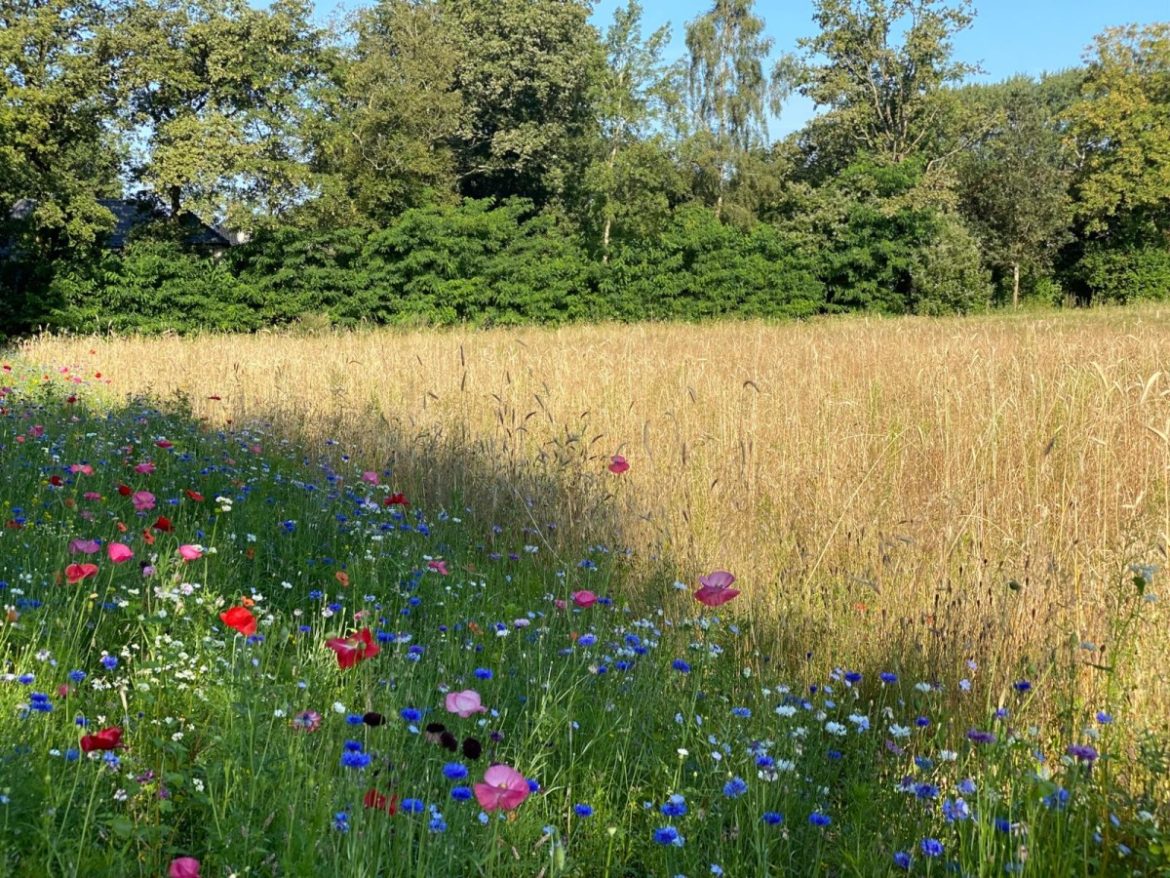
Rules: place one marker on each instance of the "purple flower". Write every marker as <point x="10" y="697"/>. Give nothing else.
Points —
<point x="980" y="737"/>
<point x="1083" y="752"/>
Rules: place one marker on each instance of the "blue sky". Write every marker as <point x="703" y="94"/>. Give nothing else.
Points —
<point x="1008" y="36"/>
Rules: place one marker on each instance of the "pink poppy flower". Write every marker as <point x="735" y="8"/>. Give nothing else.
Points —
<point x="92" y="495"/>
<point x="183" y="867"/>
<point x="119" y="552"/>
<point x="353" y="649"/>
<point x="716" y="589"/>
<point x="190" y="553"/>
<point x="503" y="788"/>
<point x="465" y="703"/>
<point x="438" y="566"/>
<point x="165" y="443"/>
<point x="143" y="501"/>
<point x="370" y="476"/>
<point x="83" y="468"/>
<point x="618" y="464"/>
<point x="87" y="547"/>
<point x="584" y="598"/>
<point x="144" y="468"/>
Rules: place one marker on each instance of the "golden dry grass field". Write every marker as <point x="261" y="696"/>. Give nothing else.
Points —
<point x="905" y="488"/>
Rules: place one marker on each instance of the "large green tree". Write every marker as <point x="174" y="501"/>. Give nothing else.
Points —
<point x="56" y="156"/>
<point x="215" y="94"/>
<point x="526" y="77"/>
<point x="386" y="137"/>
<point x="728" y="96"/>
<point x="1014" y="180"/>
<point x="1122" y="127"/>
<point x="880" y="67"/>
<point x="632" y="180"/>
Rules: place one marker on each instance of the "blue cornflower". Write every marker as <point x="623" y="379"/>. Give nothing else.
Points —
<point x="1104" y="718"/>
<point x="583" y="810"/>
<point x="587" y="640"/>
<point x="454" y="771"/>
<point x="773" y="818"/>
<point x="1022" y="686"/>
<point x="931" y="847"/>
<point x="483" y="673"/>
<point x="926" y="791"/>
<point x="966" y="787"/>
<point x="675" y="806"/>
<point x="735" y="788"/>
<point x="1003" y="825"/>
<point x="681" y="666"/>
<point x="354" y="719"/>
<point x="341" y="821"/>
<point x="109" y="662"/>
<point x="25" y="679"/>
<point x="413" y="806"/>
<point x="887" y="677"/>
<point x="956" y="810"/>
<point x="668" y="835"/>
<point x="902" y="859"/>
<point x="460" y="794"/>
<point x="410" y="714"/>
<point x="437" y="824"/>
<point x="354" y="759"/>
<point x="852" y="677"/>
<point x="742" y="712"/>
<point x="76" y="676"/>
<point x="72" y="754"/>
<point x="817" y="818"/>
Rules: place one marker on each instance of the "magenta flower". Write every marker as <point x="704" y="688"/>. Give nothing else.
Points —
<point x="83" y="468"/>
<point x="618" y="464"/>
<point x="716" y="589"/>
<point x="190" y="553"/>
<point x="119" y="552"/>
<point x="143" y="501"/>
<point x="584" y="599"/>
<point x="370" y="476"/>
<point x="183" y="867"/>
<point x="439" y="567"/>
<point x="86" y="547"/>
<point x="145" y="468"/>
<point x="503" y="788"/>
<point x="465" y="703"/>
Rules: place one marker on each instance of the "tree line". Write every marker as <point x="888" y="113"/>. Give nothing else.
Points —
<point x="505" y="161"/>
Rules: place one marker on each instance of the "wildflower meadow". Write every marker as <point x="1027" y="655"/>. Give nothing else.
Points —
<point x="226" y="650"/>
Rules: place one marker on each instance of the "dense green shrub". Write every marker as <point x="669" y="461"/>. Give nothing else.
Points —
<point x="1121" y="275"/>
<point x="152" y="286"/>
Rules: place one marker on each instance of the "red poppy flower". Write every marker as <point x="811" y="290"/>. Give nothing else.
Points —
<point x="74" y="573"/>
<point x="56" y="481"/>
<point x="195" y="495"/>
<point x="240" y="619"/>
<point x="163" y="524"/>
<point x="353" y="649"/>
<point x="106" y="739"/>
<point x="125" y="490"/>
<point x="343" y="578"/>
<point x="165" y="443"/>
<point x="396" y="500"/>
<point x="380" y="802"/>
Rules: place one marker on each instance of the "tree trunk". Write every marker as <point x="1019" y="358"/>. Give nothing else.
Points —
<point x="1015" y="285"/>
<point x="608" y="213"/>
<point x="174" y="192"/>
<point x="719" y="205"/>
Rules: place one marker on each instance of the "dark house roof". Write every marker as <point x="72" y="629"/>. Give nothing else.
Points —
<point x="130" y="214"/>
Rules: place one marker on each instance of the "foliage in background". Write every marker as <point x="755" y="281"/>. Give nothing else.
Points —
<point x="427" y="124"/>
